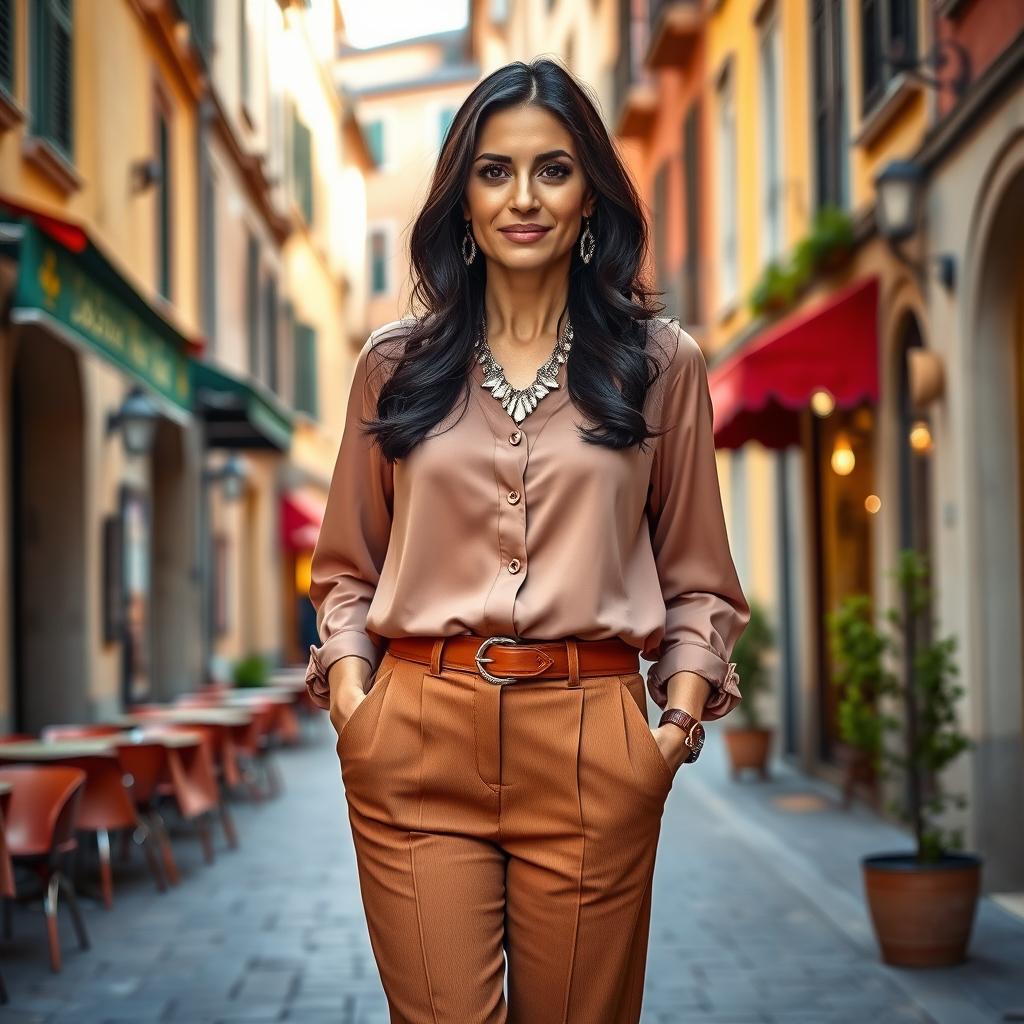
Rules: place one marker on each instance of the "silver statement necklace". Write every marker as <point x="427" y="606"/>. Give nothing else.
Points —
<point x="520" y="403"/>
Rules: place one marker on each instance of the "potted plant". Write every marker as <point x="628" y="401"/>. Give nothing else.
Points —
<point x="923" y="901"/>
<point x="775" y="290"/>
<point x="830" y="240"/>
<point x="857" y="650"/>
<point x="251" y="671"/>
<point x="749" y="744"/>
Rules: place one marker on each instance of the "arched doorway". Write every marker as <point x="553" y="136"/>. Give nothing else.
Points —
<point x="48" y="545"/>
<point x="175" y="663"/>
<point x="994" y="352"/>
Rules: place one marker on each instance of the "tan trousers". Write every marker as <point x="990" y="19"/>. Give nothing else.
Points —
<point x="491" y="821"/>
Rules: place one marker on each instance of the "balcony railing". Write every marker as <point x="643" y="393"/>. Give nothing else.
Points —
<point x="674" y="28"/>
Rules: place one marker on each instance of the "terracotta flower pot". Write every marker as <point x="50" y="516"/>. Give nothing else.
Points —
<point x="922" y="913"/>
<point x="748" y="748"/>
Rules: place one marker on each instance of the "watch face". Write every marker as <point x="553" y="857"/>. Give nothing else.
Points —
<point x="696" y="740"/>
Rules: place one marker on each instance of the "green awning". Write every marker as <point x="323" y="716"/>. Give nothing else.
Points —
<point x="239" y="413"/>
<point x="81" y="297"/>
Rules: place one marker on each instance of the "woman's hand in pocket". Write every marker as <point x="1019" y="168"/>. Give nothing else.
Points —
<point x="346" y="679"/>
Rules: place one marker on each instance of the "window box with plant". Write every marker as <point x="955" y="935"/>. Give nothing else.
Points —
<point x="824" y="250"/>
<point x="922" y="901"/>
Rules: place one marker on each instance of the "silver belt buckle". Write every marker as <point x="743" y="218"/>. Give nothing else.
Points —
<point x="478" y="658"/>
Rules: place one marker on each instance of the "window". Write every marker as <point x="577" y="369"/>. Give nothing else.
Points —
<point x="244" y="58"/>
<point x="52" y="86"/>
<point x="831" y="171"/>
<point x="691" y="199"/>
<point x="271" y="319"/>
<point x="252" y="308"/>
<point x="728" y="240"/>
<point x="771" y="140"/>
<point x="379" y="262"/>
<point x="375" y="140"/>
<point x="7" y="45"/>
<point x="305" y="370"/>
<point x="163" y="196"/>
<point x="887" y="31"/>
<point x="661" y="226"/>
<point x="446" y="117"/>
<point x="499" y="11"/>
<point x="208" y="229"/>
<point x="302" y="167"/>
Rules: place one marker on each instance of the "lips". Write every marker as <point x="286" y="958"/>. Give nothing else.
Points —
<point x="525" y="232"/>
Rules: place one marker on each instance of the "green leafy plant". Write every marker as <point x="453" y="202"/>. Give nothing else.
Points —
<point x="251" y="671"/>
<point x="749" y="655"/>
<point x="776" y="289"/>
<point x="858" y="650"/>
<point x="825" y="246"/>
<point x="926" y="737"/>
<point x="830" y="239"/>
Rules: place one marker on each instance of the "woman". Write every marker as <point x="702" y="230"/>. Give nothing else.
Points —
<point x="500" y="544"/>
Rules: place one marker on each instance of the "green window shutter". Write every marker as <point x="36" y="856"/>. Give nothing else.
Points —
<point x="7" y="45"/>
<point x="52" y="86"/>
<point x="252" y="309"/>
<point x="305" y="370"/>
<point x="446" y="118"/>
<point x="375" y="140"/>
<point x="164" y="209"/>
<point x="302" y="167"/>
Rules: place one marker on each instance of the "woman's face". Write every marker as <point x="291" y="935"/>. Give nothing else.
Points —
<point x="525" y="171"/>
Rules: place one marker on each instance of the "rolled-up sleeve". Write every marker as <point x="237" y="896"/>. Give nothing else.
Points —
<point x="353" y="540"/>
<point x="706" y="610"/>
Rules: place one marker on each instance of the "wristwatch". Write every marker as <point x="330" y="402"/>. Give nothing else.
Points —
<point x="690" y="725"/>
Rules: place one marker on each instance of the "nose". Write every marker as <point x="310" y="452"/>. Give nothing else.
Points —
<point x="524" y="198"/>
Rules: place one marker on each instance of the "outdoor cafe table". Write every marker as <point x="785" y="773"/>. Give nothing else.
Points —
<point x="94" y="756"/>
<point x="220" y="720"/>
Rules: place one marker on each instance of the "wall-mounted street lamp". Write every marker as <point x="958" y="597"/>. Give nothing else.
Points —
<point x="137" y="420"/>
<point x="948" y="61"/>
<point x="145" y="173"/>
<point x="232" y="475"/>
<point x="898" y="213"/>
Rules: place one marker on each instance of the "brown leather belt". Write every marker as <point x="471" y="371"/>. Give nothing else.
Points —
<point x="502" y="659"/>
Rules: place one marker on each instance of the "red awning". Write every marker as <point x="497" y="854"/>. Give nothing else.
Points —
<point x="758" y="393"/>
<point x="301" y="516"/>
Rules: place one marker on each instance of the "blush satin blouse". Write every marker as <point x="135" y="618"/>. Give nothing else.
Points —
<point x="529" y="531"/>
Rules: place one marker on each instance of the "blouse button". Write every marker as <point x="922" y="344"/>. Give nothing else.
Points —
<point x="515" y="437"/>
<point x="513" y="497"/>
<point x="513" y="566"/>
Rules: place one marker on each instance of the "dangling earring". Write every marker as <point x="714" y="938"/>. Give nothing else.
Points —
<point x="587" y="242"/>
<point x="472" y="243"/>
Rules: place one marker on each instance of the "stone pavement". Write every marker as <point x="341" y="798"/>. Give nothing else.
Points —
<point x="757" y="918"/>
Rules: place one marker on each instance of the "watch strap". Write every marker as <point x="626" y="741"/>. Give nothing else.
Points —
<point x="690" y="725"/>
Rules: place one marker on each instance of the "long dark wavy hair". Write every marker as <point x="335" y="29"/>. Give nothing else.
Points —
<point x="610" y="364"/>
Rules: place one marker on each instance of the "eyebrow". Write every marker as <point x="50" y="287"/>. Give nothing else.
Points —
<point x="499" y="158"/>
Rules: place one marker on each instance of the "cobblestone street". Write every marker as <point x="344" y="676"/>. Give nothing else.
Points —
<point x="273" y="931"/>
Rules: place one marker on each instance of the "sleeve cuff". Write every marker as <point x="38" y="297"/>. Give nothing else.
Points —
<point x="696" y="657"/>
<point x="337" y="646"/>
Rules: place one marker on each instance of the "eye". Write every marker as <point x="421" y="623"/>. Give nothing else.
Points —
<point x="487" y="168"/>
<point x="563" y="171"/>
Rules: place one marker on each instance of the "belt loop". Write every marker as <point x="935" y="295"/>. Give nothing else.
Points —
<point x="574" y="662"/>
<point x="435" y="656"/>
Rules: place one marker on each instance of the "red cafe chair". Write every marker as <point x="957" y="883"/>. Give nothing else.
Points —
<point x="191" y="779"/>
<point x="144" y="765"/>
<point x="107" y="807"/>
<point x="40" y="833"/>
<point x="7" y="889"/>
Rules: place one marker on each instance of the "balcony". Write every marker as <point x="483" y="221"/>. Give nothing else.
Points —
<point x="675" y="26"/>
